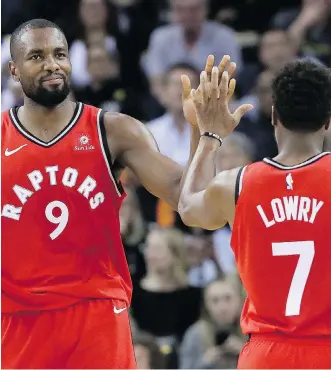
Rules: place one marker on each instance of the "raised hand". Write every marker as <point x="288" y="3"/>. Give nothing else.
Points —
<point x="187" y="97"/>
<point x="211" y="102"/>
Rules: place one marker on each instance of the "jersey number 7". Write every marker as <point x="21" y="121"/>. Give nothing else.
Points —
<point x="306" y="252"/>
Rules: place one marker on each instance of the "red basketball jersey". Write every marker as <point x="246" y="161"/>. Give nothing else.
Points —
<point x="61" y="238"/>
<point x="282" y="244"/>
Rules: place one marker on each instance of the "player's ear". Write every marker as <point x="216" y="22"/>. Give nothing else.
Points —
<point x="327" y="126"/>
<point x="13" y="71"/>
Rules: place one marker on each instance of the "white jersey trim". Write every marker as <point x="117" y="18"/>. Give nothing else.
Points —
<point x="57" y="138"/>
<point x="241" y="178"/>
<point x="99" y="123"/>
<point x="305" y="163"/>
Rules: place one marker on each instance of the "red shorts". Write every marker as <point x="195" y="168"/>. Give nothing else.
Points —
<point x="277" y="352"/>
<point x="91" y="334"/>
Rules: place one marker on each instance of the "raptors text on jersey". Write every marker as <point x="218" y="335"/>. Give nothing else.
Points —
<point x="60" y="216"/>
<point x="282" y="244"/>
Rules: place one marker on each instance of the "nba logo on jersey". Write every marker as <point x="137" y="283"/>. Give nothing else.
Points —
<point x="83" y="142"/>
<point x="289" y="182"/>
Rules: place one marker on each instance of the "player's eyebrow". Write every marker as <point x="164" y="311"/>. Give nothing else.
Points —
<point x="35" y="51"/>
<point x="56" y="50"/>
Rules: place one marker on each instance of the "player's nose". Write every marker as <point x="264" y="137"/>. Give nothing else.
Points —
<point x="51" y="65"/>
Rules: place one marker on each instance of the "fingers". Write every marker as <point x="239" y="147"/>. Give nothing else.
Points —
<point x="209" y="64"/>
<point x="224" y="86"/>
<point x="186" y="86"/>
<point x="214" y="84"/>
<point x="223" y="64"/>
<point x="231" y="69"/>
<point x="232" y="87"/>
<point x="239" y="112"/>
<point x="204" y="87"/>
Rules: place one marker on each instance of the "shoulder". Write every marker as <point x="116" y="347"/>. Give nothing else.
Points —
<point x="193" y="333"/>
<point x="219" y="29"/>
<point x="125" y="132"/>
<point x="224" y="183"/>
<point x="164" y="32"/>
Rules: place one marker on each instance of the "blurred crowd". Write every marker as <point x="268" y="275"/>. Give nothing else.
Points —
<point x="128" y="56"/>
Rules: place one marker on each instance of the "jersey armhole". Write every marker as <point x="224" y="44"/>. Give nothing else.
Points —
<point x="106" y="151"/>
<point x="239" y="183"/>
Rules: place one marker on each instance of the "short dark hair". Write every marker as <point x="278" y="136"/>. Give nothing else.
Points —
<point x="33" y="24"/>
<point x="302" y="96"/>
<point x="183" y="65"/>
<point x="157" y="359"/>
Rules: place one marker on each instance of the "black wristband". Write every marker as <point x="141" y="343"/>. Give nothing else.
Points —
<point x="214" y="136"/>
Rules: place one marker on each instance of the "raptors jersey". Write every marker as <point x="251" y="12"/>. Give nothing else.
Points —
<point x="282" y="244"/>
<point x="60" y="216"/>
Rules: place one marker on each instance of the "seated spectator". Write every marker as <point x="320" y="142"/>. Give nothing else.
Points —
<point x="106" y="89"/>
<point x="213" y="341"/>
<point x="12" y="95"/>
<point x="133" y="232"/>
<point x="147" y="352"/>
<point x="171" y="131"/>
<point x="189" y="38"/>
<point x="309" y="27"/>
<point x="259" y="128"/>
<point x="163" y="303"/>
<point x="172" y="134"/>
<point x="94" y="29"/>
<point x="275" y="50"/>
<point x="237" y="151"/>
<point x="202" y="267"/>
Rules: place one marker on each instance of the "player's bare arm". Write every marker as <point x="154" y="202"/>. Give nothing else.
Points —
<point x="207" y="201"/>
<point x="134" y="147"/>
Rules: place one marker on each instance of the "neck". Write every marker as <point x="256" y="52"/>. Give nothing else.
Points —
<point x="45" y="123"/>
<point x="192" y="35"/>
<point x="162" y="280"/>
<point x="43" y="116"/>
<point x="295" y="148"/>
<point x="179" y="121"/>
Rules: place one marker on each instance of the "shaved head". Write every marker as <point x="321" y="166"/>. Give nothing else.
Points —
<point x="16" y="37"/>
<point x="40" y="62"/>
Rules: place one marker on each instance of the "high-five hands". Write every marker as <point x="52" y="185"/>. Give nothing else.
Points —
<point x="208" y="105"/>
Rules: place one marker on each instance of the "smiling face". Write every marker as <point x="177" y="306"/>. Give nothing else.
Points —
<point x="42" y="66"/>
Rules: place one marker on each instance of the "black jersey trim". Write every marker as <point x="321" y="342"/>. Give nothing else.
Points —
<point x="309" y="161"/>
<point x="106" y="151"/>
<point x="21" y="129"/>
<point x="239" y="181"/>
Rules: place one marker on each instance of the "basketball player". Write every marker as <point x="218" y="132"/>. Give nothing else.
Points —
<point x="280" y="213"/>
<point x="66" y="286"/>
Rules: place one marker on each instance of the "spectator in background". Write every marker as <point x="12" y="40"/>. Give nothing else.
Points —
<point x="163" y="303"/>
<point x="133" y="232"/>
<point x="202" y="267"/>
<point x="12" y="95"/>
<point x="147" y="352"/>
<point x="259" y="128"/>
<point x="135" y="20"/>
<point x="95" y="28"/>
<point x="106" y="89"/>
<point x="309" y="27"/>
<point x="171" y="131"/>
<point x="213" y="341"/>
<point x="275" y="50"/>
<point x="189" y="38"/>
<point x="172" y="135"/>
<point x="237" y="151"/>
